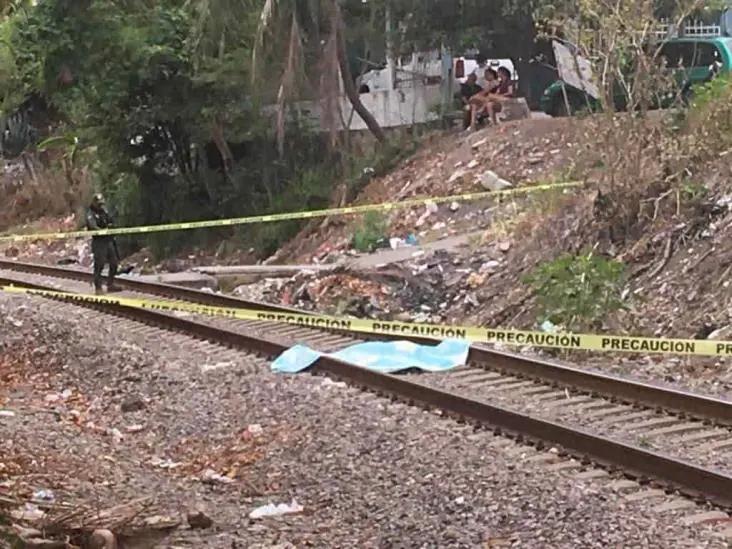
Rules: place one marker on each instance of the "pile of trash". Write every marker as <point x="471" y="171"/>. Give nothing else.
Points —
<point x="429" y="288"/>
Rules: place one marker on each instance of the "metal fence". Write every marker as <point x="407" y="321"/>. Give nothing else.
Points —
<point x="691" y="29"/>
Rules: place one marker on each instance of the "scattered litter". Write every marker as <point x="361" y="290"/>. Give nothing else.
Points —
<point x="255" y="429"/>
<point x="723" y="333"/>
<point x="724" y="202"/>
<point x="44" y="495"/>
<point x="209" y="476"/>
<point x="161" y="521"/>
<point x="327" y="382"/>
<point x="491" y="265"/>
<point x="458" y="174"/>
<point x="272" y="510"/>
<point x="548" y="326"/>
<point x="116" y="434"/>
<point x="165" y="463"/>
<point x="58" y="397"/>
<point x="29" y="512"/>
<point x="475" y="280"/>
<point x="491" y="182"/>
<point x="218" y="366"/>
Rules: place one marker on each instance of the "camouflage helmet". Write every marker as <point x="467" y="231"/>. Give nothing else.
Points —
<point x="98" y="199"/>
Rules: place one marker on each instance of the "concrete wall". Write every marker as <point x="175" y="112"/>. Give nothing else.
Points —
<point x="391" y="108"/>
<point x="400" y="107"/>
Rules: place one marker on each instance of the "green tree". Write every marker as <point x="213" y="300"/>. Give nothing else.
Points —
<point x="161" y="92"/>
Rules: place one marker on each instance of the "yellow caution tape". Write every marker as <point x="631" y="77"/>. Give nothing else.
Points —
<point x="385" y="207"/>
<point x="588" y="342"/>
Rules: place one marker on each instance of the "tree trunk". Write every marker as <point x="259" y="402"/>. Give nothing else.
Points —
<point x="227" y="157"/>
<point x="349" y="85"/>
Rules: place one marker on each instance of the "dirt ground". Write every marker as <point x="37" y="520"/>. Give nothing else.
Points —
<point x="534" y="151"/>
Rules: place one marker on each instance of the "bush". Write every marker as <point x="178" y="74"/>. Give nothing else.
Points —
<point x="43" y="192"/>
<point x="709" y="118"/>
<point x="577" y="291"/>
<point x="370" y="232"/>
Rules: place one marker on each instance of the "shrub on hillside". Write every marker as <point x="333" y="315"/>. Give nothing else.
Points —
<point x="577" y="291"/>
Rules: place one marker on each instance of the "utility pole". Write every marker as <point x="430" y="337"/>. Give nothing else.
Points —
<point x="446" y="77"/>
<point x="390" y="67"/>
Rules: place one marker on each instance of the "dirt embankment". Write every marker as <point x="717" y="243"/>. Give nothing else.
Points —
<point x="652" y="200"/>
<point x="536" y="151"/>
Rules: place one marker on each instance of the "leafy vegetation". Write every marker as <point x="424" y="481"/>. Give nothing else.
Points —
<point x="577" y="291"/>
<point x="711" y="114"/>
<point x="371" y="231"/>
<point x="167" y="98"/>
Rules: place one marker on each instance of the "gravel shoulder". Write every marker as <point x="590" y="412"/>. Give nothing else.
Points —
<point x="368" y="472"/>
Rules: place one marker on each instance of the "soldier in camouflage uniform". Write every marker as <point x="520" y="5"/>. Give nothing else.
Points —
<point x="104" y="248"/>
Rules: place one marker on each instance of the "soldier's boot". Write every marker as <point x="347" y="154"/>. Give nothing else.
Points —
<point x="98" y="277"/>
<point x="111" y="286"/>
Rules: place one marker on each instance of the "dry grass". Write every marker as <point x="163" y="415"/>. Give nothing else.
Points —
<point x="642" y="169"/>
<point x="637" y="209"/>
<point x="44" y="191"/>
<point x="640" y="163"/>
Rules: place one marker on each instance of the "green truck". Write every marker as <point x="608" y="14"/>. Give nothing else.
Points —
<point x="695" y="57"/>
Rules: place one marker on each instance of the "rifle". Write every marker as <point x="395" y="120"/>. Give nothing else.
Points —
<point x="116" y="249"/>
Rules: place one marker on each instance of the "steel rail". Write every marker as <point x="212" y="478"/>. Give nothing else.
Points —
<point x="714" y="410"/>
<point x="673" y="474"/>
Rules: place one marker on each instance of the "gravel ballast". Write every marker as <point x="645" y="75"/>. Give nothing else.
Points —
<point x="368" y="472"/>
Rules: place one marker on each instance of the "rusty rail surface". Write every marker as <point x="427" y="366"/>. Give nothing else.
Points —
<point x="674" y="474"/>
<point x="669" y="399"/>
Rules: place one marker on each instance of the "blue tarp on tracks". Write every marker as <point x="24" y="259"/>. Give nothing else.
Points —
<point x="381" y="356"/>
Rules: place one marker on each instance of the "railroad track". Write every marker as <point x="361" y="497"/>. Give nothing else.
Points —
<point x="666" y="440"/>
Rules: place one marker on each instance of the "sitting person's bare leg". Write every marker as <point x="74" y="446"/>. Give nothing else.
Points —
<point x="474" y="116"/>
<point x="491" y="108"/>
<point x="494" y="107"/>
<point x="466" y="116"/>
